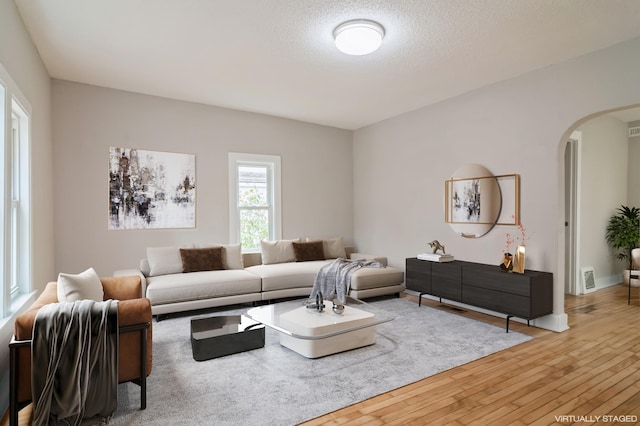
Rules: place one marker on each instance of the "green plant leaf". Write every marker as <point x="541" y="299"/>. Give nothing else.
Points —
<point x="623" y="231"/>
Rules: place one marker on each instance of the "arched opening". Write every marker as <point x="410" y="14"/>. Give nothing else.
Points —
<point x="598" y="155"/>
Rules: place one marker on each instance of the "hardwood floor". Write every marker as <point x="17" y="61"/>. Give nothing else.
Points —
<point x="591" y="370"/>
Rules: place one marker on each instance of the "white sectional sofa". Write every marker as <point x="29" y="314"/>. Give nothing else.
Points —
<point x="250" y="277"/>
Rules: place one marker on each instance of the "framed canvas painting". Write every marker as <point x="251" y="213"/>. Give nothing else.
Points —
<point x="151" y="189"/>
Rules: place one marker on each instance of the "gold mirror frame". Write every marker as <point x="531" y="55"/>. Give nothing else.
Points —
<point x="474" y="205"/>
<point x="510" y="190"/>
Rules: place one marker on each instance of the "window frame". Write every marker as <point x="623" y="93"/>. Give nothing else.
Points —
<point x="15" y="218"/>
<point x="16" y="222"/>
<point x="273" y="164"/>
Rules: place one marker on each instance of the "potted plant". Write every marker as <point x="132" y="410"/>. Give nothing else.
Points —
<point x="623" y="233"/>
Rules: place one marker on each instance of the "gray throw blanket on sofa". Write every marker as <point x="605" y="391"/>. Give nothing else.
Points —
<point x="74" y="365"/>
<point x="334" y="279"/>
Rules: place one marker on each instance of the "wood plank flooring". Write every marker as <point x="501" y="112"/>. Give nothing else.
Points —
<point x="591" y="370"/>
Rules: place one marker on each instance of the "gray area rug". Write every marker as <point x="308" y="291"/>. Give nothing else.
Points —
<point x="276" y="386"/>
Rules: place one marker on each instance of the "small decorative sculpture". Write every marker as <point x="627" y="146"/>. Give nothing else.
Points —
<point x="507" y="262"/>
<point x="337" y="308"/>
<point x="319" y="305"/>
<point x="435" y="245"/>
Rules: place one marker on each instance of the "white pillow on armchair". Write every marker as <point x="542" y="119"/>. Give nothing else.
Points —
<point x="83" y="286"/>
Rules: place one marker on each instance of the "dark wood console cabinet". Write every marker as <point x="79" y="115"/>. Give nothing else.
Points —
<point x="527" y="296"/>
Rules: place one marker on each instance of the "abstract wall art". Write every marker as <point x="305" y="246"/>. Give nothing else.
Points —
<point x="466" y="200"/>
<point x="151" y="189"/>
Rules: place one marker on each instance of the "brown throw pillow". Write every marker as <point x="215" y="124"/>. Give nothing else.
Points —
<point x="201" y="259"/>
<point x="308" y="251"/>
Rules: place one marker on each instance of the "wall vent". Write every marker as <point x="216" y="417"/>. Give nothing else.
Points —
<point x="588" y="280"/>
<point x="634" y="131"/>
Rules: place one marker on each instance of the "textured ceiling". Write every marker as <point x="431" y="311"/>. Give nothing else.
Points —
<point x="277" y="56"/>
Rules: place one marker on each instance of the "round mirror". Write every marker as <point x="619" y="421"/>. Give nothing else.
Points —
<point x="472" y="201"/>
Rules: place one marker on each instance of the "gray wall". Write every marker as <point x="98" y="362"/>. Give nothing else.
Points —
<point x="516" y="126"/>
<point x="21" y="60"/>
<point x="603" y="188"/>
<point x="634" y="168"/>
<point x="317" y="183"/>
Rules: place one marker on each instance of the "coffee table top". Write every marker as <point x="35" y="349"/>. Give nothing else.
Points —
<point x="293" y="318"/>
<point x="210" y="326"/>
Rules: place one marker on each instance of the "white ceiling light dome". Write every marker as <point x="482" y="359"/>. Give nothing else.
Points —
<point x="358" y="37"/>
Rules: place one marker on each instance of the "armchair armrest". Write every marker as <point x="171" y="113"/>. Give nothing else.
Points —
<point x="134" y="311"/>
<point x="23" y="325"/>
<point x="130" y="313"/>
<point x="381" y="259"/>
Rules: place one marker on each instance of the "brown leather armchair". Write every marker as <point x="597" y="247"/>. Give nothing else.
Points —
<point x="134" y="322"/>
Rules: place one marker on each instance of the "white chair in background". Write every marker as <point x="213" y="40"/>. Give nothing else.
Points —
<point x="634" y="274"/>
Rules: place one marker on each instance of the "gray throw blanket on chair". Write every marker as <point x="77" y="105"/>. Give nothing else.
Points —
<point x="74" y="365"/>
<point x="334" y="279"/>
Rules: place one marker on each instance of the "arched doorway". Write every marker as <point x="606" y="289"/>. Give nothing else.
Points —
<point x="591" y="194"/>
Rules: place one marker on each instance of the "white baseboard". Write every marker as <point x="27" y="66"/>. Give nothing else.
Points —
<point x="553" y="322"/>
<point x="610" y="281"/>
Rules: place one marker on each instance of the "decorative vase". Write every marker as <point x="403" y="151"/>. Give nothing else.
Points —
<point x="518" y="261"/>
<point x="507" y="262"/>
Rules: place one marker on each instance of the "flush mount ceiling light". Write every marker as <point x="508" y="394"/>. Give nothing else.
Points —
<point x="358" y="37"/>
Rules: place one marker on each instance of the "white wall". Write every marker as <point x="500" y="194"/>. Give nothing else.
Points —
<point x="634" y="168"/>
<point x="317" y="183"/>
<point x="516" y="126"/>
<point x="21" y="60"/>
<point x="603" y="188"/>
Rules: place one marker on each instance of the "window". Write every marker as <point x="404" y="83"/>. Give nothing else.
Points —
<point x="15" y="200"/>
<point x="254" y="199"/>
<point x="15" y="259"/>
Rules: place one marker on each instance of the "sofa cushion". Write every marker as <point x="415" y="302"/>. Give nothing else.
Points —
<point x="83" y="286"/>
<point x="231" y="255"/>
<point x="164" y="260"/>
<point x="333" y="247"/>
<point x="175" y="288"/>
<point x="368" y="278"/>
<point x="305" y="252"/>
<point x="288" y="275"/>
<point x="279" y="251"/>
<point x="201" y="259"/>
